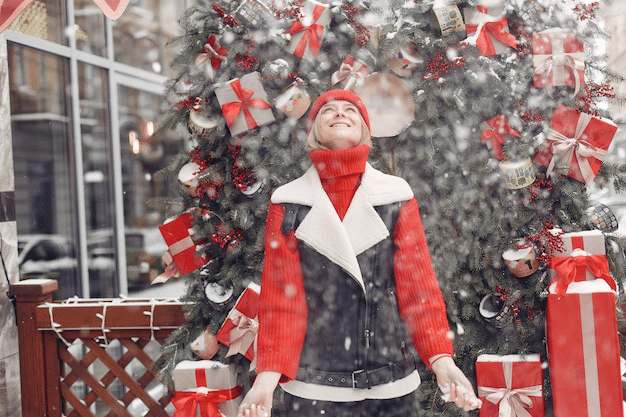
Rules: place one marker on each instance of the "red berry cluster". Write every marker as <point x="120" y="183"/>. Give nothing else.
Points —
<point x="530" y="115"/>
<point x="586" y="99"/>
<point x="518" y="29"/>
<point x="243" y="177"/>
<point x="228" y="19"/>
<point x="362" y="33"/>
<point x="586" y="11"/>
<point x="187" y="103"/>
<point x="548" y="241"/>
<point x="203" y="161"/>
<point x="439" y="63"/>
<point x="537" y="186"/>
<point x="246" y="61"/>
<point x="225" y="238"/>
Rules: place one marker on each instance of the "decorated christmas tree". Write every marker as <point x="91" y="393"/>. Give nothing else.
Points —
<point x="491" y="110"/>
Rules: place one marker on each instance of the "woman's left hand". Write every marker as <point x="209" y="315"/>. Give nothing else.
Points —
<point x="454" y="384"/>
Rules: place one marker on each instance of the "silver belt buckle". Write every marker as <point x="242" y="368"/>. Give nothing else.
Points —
<point x="353" y="379"/>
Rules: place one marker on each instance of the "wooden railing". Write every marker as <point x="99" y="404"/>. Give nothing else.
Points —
<point x="91" y="357"/>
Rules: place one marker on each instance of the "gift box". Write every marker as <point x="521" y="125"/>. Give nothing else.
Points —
<point x="178" y="233"/>
<point x="449" y="19"/>
<point x="510" y="385"/>
<point x="350" y="74"/>
<point x="244" y="103"/>
<point x="204" y="388"/>
<point x="211" y="57"/>
<point x="576" y="144"/>
<point x="255" y="13"/>
<point x="239" y="330"/>
<point x="307" y="34"/>
<point x="558" y="59"/>
<point x="293" y="101"/>
<point x="488" y="29"/>
<point x="583" y="259"/>
<point x="517" y="174"/>
<point x="583" y="351"/>
<point x="495" y="131"/>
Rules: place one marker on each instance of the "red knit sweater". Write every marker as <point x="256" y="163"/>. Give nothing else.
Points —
<point x="283" y="309"/>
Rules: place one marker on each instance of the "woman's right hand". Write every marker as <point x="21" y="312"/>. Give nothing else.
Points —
<point x="258" y="401"/>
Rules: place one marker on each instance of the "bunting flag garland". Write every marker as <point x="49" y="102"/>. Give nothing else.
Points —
<point x="11" y="9"/>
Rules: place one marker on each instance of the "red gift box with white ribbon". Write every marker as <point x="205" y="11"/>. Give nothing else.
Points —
<point x="576" y="144"/>
<point x="558" y="59"/>
<point x="206" y="389"/>
<point x="584" y="351"/>
<point x="240" y="329"/>
<point x="244" y="103"/>
<point x="178" y="233"/>
<point x="510" y="385"/>
<point x="307" y="33"/>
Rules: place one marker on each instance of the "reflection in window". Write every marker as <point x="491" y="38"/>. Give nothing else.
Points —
<point x="144" y="152"/>
<point x="45" y="204"/>
<point x="89" y="27"/>
<point x="146" y="26"/>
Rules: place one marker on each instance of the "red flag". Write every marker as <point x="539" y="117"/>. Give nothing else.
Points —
<point x="112" y="9"/>
<point x="10" y="10"/>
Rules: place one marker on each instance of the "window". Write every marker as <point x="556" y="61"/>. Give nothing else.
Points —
<point x="84" y="112"/>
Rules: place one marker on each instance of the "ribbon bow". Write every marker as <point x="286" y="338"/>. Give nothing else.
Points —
<point x="231" y="110"/>
<point x="187" y="402"/>
<point x="351" y="73"/>
<point x="499" y="126"/>
<point x="513" y="402"/>
<point x="211" y="57"/>
<point x="312" y="33"/>
<point x="564" y="149"/>
<point x="557" y="62"/>
<point x="489" y="27"/>
<point x="243" y="335"/>
<point x="567" y="268"/>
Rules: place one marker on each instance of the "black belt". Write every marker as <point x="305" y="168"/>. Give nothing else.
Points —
<point x="362" y="378"/>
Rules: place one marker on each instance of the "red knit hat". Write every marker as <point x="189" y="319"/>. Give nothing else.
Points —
<point x="338" y="95"/>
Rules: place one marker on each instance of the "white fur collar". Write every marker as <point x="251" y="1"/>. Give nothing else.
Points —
<point x="361" y="228"/>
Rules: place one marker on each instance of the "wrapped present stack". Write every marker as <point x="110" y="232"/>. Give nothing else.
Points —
<point x="582" y="336"/>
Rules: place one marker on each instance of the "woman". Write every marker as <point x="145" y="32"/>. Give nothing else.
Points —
<point x="348" y="284"/>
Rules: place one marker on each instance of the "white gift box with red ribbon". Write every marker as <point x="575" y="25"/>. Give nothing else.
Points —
<point x="307" y="33"/>
<point x="558" y="59"/>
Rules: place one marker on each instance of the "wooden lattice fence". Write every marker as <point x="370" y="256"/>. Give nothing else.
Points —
<point x="91" y="357"/>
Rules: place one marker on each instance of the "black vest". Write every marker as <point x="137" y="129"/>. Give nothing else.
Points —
<point x="350" y="328"/>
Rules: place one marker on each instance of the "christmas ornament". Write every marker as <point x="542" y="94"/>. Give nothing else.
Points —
<point x="488" y="29"/>
<point x="406" y="60"/>
<point x="205" y="346"/>
<point x="494" y="132"/>
<point x="494" y="310"/>
<point x="240" y="329"/>
<point x="449" y="19"/>
<point x="389" y="103"/>
<point x="603" y="218"/>
<point x="517" y="174"/>
<point x="306" y="33"/>
<point x="257" y="189"/>
<point x="558" y="59"/>
<point x="211" y="57"/>
<point x="206" y="388"/>
<point x="510" y="385"/>
<point x="188" y="177"/>
<point x="244" y="103"/>
<point x="219" y="296"/>
<point x="350" y="74"/>
<point x="199" y="125"/>
<point x="576" y="144"/>
<point x="521" y="260"/>
<point x="294" y="101"/>
<point x="255" y="13"/>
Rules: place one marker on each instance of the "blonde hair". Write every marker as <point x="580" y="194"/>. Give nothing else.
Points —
<point x="313" y="143"/>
